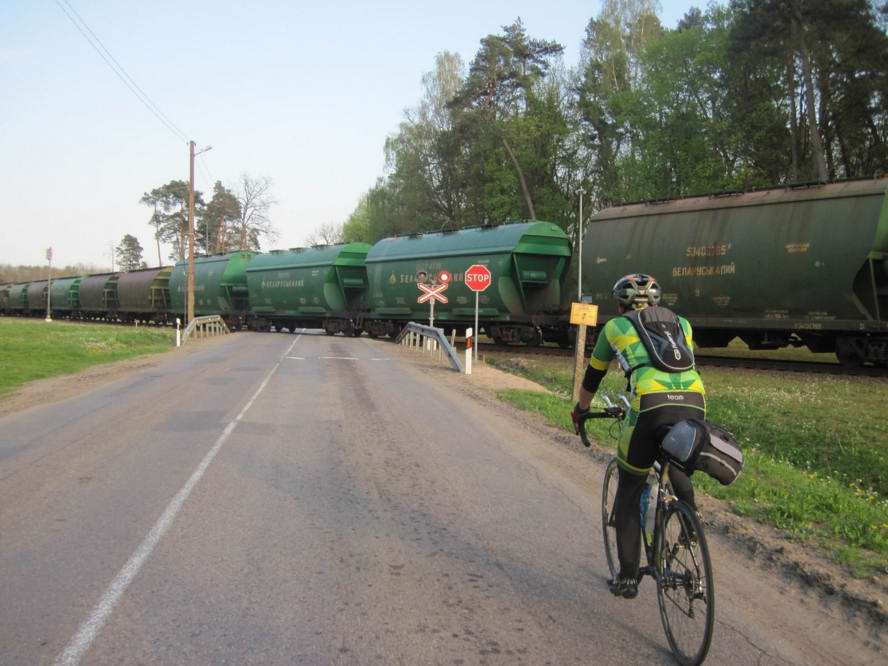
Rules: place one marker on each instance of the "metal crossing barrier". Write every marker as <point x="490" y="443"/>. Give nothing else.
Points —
<point x="205" y="327"/>
<point x="429" y="339"/>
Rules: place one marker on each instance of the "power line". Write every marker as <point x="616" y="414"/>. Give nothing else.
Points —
<point x="206" y="169"/>
<point x="118" y="69"/>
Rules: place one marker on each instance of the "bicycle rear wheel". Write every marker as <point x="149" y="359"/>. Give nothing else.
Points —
<point x="608" y="520"/>
<point x="685" y="590"/>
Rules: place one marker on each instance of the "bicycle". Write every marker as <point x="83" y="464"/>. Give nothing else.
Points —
<point x="676" y="553"/>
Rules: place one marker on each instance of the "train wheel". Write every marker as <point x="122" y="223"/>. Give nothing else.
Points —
<point x="849" y="353"/>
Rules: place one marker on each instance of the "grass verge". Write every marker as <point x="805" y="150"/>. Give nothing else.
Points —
<point x="816" y="450"/>
<point x="32" y="350"/>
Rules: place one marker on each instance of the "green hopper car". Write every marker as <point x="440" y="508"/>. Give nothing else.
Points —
<point x="789" y="266"/>
<point x="220" y="287"/>
<point x="314" y="287"/>
<point x="65" y="293"/>
<point x="528" y="263"/>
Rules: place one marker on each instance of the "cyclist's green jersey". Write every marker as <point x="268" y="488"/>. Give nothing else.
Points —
<point x="620" y="340"/>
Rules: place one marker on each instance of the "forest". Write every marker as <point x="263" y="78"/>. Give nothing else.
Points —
<point x="739" y="95"/>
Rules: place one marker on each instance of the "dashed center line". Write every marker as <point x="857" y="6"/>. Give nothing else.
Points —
<point x="90" y="628"/>
<point x="339" y="358"/>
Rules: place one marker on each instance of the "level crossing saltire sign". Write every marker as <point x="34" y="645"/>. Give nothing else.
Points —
<point x="432" y="293"/>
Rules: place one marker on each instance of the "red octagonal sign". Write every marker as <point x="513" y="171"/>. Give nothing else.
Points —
<point x="478" y="277"/>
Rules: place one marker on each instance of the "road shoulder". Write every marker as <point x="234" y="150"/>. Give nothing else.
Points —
<point x="55" y="389"/>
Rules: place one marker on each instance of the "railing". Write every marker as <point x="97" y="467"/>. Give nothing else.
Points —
<point x="205" y="327"/>
<point x="430" y="340"/>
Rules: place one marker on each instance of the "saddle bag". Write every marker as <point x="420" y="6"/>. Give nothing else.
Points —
<point x="720" y="457"/>
<point x="700" y="445"/>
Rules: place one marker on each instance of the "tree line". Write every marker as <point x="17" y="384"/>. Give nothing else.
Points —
<point x="746" y="94"/>
<point x="10" y="273"/>
<point x="231" y="220"/>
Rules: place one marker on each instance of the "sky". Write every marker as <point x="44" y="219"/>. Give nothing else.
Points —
<point x="304" y="93"/>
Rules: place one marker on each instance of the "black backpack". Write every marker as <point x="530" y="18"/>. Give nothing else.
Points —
<point x="663" y="338"/>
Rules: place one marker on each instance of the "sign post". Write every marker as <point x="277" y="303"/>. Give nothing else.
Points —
<point x="581" y="316"/>
<point x="49" y="285"/>
<point x="478" y="279"/>
<point x="433" y="292"/>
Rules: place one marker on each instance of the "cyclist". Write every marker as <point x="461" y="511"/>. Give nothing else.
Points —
<point x="658" y="400"/>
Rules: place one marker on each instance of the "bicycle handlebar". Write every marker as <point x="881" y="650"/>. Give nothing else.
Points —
<point x="610" y="412"/>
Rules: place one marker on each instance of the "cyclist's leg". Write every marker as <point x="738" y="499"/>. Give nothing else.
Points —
<point x="635" y="456"/>
<point x="627" y="518"/>
<point x="681" y="484"/>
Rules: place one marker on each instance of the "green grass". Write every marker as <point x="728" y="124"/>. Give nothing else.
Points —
<point x="32" y="350"/>
<point x="816" y="450"/>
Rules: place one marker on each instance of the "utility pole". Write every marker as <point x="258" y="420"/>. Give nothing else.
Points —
<point x="189" y="313"/>
<point x="112" y="257"/>
<point x="157" y="233"/>
<point x="580" y="251"/>
<point x="49" y="285"/>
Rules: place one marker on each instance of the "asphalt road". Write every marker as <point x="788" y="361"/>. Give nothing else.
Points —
<point x="277" y="499"/>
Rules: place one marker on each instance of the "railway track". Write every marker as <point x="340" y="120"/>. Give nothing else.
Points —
<point x="704" y="360"/>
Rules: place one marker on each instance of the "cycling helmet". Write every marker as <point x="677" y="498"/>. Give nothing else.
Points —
<point x="637" y="290"/>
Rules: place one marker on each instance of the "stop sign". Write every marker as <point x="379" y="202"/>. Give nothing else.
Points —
<point x="478" y="277"/>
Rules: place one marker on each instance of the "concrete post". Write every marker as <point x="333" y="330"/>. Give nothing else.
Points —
<point x="469" y="345"/>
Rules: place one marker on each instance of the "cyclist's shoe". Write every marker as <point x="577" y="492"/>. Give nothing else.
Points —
<point x="623" y="587"/>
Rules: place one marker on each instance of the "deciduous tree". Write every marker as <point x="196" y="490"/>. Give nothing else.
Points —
<point x="253" y="224"/>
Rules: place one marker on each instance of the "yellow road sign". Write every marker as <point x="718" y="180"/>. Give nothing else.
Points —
<point x="583" y="314"/>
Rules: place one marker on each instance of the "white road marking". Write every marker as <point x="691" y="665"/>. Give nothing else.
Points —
<point x="340" y="358"/>
<point x="297" y="358"/>
<point x="91" y="627"/>
<point x="380" y="359"/>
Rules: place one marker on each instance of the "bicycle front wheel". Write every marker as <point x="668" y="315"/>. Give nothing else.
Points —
<point x="685" y="590"/>
<point x="608" y="519"/>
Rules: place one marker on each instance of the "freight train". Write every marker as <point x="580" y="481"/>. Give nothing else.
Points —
<point x="801" y="266"/>
<point x="349" y="288"/>
<point x="782" y="266"/>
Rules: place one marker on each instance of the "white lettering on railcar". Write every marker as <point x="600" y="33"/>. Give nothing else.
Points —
<point x="704" y="271"/>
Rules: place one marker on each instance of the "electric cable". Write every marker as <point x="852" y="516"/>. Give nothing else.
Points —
<point x="118" y="69"/>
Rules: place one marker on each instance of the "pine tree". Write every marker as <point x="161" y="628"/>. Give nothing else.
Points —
<point x="129" y="254"/>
